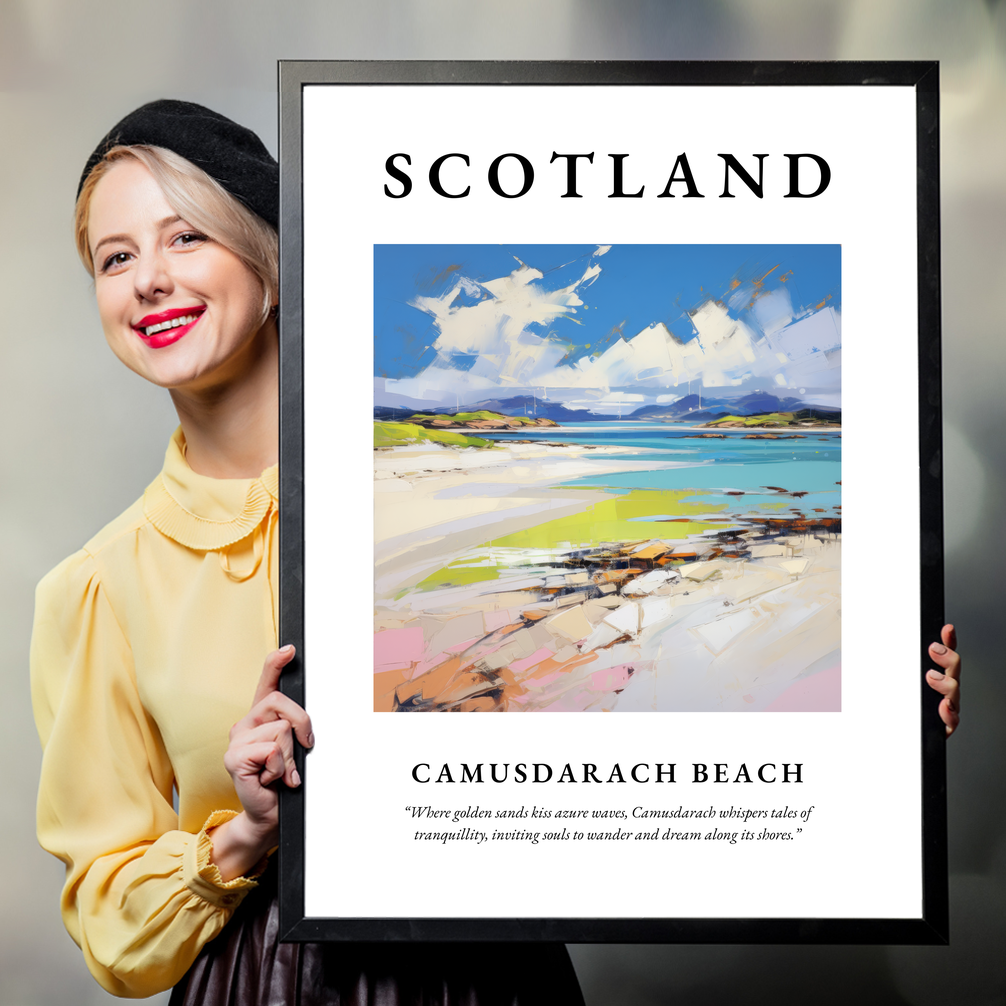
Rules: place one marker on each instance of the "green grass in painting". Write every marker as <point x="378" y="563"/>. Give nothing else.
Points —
<point x="610" y="520"/>
<point x="776" y="504"/>
<point x="477" y="569"/>
<point x="778" y="419"/>
<point x="466" y="417"/>
<point x="400" y="434"/>
<point x="618" y="519"/>
<point x="782" y="418"/>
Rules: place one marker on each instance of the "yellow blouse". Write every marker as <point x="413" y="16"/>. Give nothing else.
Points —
<point x="147" y="647"/>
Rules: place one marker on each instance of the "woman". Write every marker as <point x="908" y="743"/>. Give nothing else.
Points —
<point x="149" y="642"/>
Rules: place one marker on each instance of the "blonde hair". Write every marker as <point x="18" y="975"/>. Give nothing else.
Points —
<point x="199" y="200"/>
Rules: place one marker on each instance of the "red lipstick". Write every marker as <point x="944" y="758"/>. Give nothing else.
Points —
<point x="166" y="327"/>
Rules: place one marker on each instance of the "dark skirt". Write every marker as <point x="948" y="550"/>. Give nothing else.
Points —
<point x="246" y="965"/>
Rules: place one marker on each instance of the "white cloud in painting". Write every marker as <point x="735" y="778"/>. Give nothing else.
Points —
<point x="497" y="328"/>
<point x="504" y="329"/>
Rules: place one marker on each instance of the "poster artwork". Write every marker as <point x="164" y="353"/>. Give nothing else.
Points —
<point x="612" y="435"/>
<point x="607" y="477"/>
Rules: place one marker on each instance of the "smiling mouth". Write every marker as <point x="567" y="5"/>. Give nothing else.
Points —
<point x="185" y="319"/>
<point x="166" y="322"/>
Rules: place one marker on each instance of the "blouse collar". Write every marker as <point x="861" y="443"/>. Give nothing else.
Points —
<point x="204" y="513"/>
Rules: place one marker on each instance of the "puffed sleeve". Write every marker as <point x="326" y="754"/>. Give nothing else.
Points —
<point x="141" y="897"/>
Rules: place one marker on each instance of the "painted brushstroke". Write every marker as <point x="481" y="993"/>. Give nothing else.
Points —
<point x="579" y="520"/>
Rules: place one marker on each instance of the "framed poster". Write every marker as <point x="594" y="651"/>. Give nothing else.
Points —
<point x="587" y="371"/>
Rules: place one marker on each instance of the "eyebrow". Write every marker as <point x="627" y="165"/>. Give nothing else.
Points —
<point x="160" y="225"/>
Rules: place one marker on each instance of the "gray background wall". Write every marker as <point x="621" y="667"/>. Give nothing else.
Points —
<point x="82" y="436"/>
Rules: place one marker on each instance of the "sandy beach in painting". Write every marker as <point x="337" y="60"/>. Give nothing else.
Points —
<point x="741" y="616"/>
<point x="432" y="502"/>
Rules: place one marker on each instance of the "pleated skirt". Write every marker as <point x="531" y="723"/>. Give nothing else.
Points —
<point x="246" y="965"/>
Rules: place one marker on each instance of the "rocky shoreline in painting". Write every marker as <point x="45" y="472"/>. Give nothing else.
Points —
<point x="581" y="627"/>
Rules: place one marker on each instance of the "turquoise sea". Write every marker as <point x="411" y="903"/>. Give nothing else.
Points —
<point x="733" y="470"/>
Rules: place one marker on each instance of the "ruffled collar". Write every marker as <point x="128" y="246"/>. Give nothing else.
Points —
<point x="203" y="513"/>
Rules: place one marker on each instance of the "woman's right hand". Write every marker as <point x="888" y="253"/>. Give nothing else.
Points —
<point x="260" y="753"/>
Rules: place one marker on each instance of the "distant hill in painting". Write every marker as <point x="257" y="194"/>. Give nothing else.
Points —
<point x="520" y="405"/>
<point x="689" y="409"/>
<point x="802" y="417"/>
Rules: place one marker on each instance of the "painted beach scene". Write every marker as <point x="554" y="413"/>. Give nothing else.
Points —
<point x="607" y="478"/>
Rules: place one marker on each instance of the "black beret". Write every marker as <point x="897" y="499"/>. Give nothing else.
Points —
<point x="230" y="154"/>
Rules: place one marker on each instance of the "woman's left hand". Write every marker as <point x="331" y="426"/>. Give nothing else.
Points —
<point x="948" y="681"/>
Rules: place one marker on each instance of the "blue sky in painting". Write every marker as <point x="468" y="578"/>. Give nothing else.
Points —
<point x="435" y="340"/>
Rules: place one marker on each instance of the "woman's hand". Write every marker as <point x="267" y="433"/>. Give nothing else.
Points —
<point x="947" y="682"/>
<point x="260" y="753"/>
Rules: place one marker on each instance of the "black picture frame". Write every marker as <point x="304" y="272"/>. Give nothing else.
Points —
<point x="931" y="927"/>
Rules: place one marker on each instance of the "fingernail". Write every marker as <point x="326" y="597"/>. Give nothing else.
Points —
<point x="295" y="777"/>
<point x="310" y="740"/>
<point x="938" y="648"/>
<point x="936" y="675"/>
<point x="287" y="649"/>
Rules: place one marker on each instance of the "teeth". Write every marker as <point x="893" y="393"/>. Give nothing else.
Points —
<point x="174" y="323"/>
